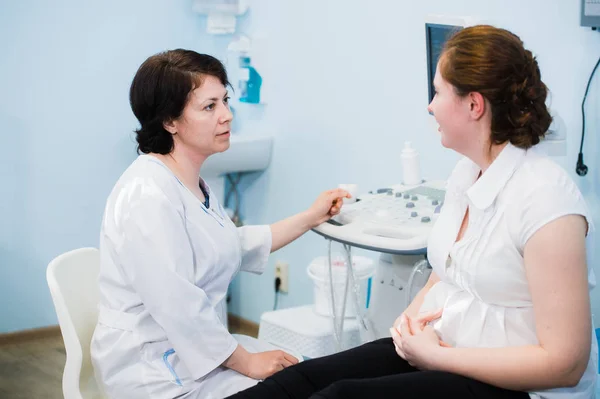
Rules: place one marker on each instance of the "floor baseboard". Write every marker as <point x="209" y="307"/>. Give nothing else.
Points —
<point x="242" y="326"/>
<point x="236" y="325"/>
<point x="29" y="335"/>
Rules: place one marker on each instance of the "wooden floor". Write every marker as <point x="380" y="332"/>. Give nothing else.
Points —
<point x="33" y="369"/>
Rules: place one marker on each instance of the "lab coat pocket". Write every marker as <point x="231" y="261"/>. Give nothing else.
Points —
<point x="165" y="365"/>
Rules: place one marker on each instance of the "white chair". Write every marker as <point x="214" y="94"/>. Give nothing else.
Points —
<point x="72" y="279"/>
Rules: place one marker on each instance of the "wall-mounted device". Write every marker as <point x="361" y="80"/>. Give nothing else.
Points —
<point x="590" y="13"/>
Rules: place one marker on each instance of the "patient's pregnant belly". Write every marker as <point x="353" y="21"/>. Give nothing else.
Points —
<point x="469" y="322"/>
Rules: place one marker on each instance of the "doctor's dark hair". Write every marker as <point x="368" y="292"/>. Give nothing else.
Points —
<point x="493" y="62"/>
<point x="160" y="90"/>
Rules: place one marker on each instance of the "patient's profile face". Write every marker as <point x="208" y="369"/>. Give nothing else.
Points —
<point x="450" y="112"/>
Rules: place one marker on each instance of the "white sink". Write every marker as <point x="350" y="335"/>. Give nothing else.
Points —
<point x="245" y="154"/>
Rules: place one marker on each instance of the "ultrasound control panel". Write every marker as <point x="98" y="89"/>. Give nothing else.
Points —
<point x="394" y="219"/>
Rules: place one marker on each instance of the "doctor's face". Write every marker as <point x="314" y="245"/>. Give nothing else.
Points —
<point x="450" y="112"/>
<point x="205" y="123"/>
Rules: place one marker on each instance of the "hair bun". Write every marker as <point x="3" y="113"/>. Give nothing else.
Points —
<point x="153" y="136"/>
<point x="528" y="116"/>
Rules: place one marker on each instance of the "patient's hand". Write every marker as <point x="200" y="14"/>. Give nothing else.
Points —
<point x="264" y="364"/>
<point x="419" y="347"/>
<point x="419" y="322"/>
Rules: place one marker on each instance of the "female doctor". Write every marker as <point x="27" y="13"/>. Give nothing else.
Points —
<point x="168" y="251"/>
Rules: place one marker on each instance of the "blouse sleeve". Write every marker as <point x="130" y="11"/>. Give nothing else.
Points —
<point x="547" y="202"/>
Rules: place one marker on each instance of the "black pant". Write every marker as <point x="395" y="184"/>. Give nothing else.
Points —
<point x="372" y="371"/>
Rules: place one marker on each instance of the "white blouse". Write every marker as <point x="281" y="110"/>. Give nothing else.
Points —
<point x="483" y="289"/>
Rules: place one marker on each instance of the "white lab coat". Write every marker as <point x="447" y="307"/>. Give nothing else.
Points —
<point x="166" y="264"/>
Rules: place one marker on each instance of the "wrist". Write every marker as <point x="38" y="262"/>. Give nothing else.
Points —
<point x="438" y="358"/>
<point x="247" y="367"/>
<point x="308" y="220"/>
<point x="239" y="361"/>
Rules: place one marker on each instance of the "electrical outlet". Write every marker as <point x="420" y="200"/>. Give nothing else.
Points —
<point x="281" y="271"/>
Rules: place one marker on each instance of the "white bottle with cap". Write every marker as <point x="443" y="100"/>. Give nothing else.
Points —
<point x="410" y="165"/>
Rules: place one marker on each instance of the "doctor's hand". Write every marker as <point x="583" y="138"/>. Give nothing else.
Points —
<point x="264" y="364"/>
<point x="328" y="204"/>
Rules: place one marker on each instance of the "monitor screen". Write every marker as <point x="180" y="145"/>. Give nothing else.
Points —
<point x="436" y="36"/>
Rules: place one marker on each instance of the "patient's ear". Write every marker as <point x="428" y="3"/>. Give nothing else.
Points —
<point x="477" y="105"/>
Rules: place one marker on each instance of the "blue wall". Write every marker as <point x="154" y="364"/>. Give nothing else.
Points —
<point x="66" y="127"/>
<point x="344" y="96"/>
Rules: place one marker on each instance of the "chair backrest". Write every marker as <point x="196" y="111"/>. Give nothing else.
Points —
<point x="72" y="279"/>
